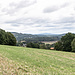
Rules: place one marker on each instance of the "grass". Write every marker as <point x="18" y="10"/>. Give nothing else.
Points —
<point x="29" y="61"/>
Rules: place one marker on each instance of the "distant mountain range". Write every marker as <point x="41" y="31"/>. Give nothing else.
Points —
<point x="21" y="36"/>
<point x="47" y="34"/>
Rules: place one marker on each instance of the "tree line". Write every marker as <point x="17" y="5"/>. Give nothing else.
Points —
<point x="67" y="43"/>
<point x="38" y="45"/>
<point x="6" y="38"/>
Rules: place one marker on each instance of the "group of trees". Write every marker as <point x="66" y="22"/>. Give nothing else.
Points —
<point x="39" y="45"/>
<point x="67" y="43"/>
<point x="6" y="38"/>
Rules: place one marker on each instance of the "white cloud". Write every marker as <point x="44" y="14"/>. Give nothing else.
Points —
<point x="37" y="16"/>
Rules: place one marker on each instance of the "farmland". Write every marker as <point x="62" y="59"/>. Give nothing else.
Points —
<point x="29" y="61"/>
<point x="49" y="42"/>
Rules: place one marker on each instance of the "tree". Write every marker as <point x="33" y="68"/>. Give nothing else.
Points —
<point x="42" y="46"/>
<point x="6" y="38"/>
<point x="58" y="46"/>
<point x="12" y="39"/>
<point x="2" y="37"/>
<point x="73" y="45"/>
<point x="66" y="41"/>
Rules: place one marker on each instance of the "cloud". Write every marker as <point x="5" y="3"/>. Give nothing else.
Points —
<point x="29" y="16"/>
<point x="29" y="21"/>
<point x="51" y="9"/>
<point x="55" y="8"/>
<point x="15" y="7"/>
<point x="66" y="20"/>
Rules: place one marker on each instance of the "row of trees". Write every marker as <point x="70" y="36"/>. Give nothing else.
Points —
<point x="67" y="43"/>
<point x="6" y="38"/>
<point x="39" y="45"/>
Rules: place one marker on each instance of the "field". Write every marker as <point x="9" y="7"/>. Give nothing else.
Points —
<point x="29" y="61"/>
<point x="49" y="42"/>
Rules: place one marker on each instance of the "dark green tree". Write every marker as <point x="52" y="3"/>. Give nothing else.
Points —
<point x="12" y="39"/>
<point x="73" y="45"/>
<point x="58" y="46"/>
<point x="2" y="37"/>
<point x="66" y="41"/>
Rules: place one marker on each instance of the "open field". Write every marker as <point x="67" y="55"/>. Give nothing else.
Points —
<point x="49" y="42"/>
<point x="29" y="61"/>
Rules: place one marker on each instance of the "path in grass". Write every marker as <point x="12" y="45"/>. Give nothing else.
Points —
<point x="40" y="61"/>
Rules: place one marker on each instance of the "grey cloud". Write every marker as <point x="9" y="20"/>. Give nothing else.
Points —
<point x="14" y="7"/>
<point x="66" y="20"/>
<point x="54" y="8"/>
<point x="65" y="5"/>
<point x="28" y="21"/>
<point x="23" y="3"/>
<point x="35" y="22"/>
<point x="15" y="25"/>
<point x="68" y="27"/>
<point x="51" y="9"/>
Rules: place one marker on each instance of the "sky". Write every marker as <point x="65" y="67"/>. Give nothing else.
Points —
<point x="37" y="16"/>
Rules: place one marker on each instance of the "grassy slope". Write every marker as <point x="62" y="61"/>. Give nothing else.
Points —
<point x="31" y="61"/>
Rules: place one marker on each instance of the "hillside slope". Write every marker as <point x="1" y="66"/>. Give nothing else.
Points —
<point x="29" y="61"/>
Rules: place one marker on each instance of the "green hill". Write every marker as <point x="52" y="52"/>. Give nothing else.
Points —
<point x="35" y="38"/>
<point x="28" y="61"/>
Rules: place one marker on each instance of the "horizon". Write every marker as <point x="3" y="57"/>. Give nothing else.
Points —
<point x="37" y="16"/>
<point x="42" y="33"/>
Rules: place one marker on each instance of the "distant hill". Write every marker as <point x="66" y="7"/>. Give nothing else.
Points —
<point x="20" y="36"/>
<point x="38" y="37"/>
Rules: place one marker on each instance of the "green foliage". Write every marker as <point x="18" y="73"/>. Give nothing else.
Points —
<point x="2" y="36"/>
<point x="58" y="46"/>
<point x="65" y="43"/>
<point x="12" y="39"/>
<point x="35" y="38"/>
<point x="6" y="38"/>
<point x="73" y="45"/>
<point x="38" y="45"/>
<point x="42" y="46"/>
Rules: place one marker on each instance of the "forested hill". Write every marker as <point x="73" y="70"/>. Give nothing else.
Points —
<point x="20" y="36"/>
<point x="41" y="37"/>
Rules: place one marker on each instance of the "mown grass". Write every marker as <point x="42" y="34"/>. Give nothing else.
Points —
<point x="29" y="61"/>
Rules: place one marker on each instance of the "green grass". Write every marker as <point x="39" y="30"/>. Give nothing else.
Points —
<point x="29" y="61"/>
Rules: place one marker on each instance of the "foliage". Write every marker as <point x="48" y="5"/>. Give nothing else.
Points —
<point x="73" y="45"/>
<point x="58" y="45"/>
<point x="6" y="38"/>
<point x="65" y="42"/>
<point x="39" y="45"/>
<point x="12" y="39"/>
<point x="34" y="38"/>
<point x="2" y="37"/>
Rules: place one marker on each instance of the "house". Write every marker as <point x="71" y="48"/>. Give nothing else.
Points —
<point x="24" y="45"/>
<point x="52" y="48"/>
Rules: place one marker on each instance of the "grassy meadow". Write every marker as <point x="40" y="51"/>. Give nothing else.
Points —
<point x="49" y="42"/>
<point x="29" y="61"/>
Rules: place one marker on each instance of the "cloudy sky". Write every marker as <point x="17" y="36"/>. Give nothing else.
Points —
<point x="37" y="16"/>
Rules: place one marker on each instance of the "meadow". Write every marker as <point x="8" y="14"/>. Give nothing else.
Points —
<point x="30" y="61"/>
<point x="49" y="42"/>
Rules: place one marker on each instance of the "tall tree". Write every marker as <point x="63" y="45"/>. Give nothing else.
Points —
<point x="73" y="45"/>
<point x="6" y="38"/>
<point x="66" y="41"/>
<point x="12" y="39"/>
